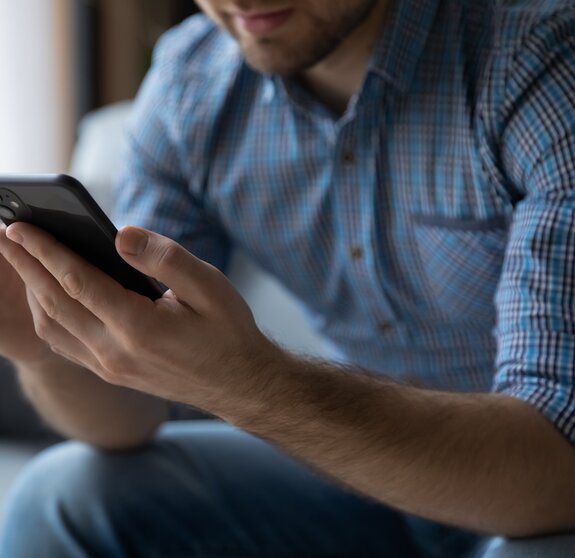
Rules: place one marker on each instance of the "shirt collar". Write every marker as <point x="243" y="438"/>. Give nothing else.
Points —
<point x="396" y="55"/>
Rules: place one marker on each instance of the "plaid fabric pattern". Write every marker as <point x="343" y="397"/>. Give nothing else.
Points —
<point x="429" y="231"/>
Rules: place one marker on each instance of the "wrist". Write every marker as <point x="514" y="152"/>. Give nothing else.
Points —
<point x="251" y="383"/>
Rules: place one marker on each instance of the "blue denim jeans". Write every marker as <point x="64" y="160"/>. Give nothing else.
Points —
<point x="204" y="489"/>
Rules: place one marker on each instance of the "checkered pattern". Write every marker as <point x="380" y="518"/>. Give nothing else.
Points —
<point x="429" y="231"/>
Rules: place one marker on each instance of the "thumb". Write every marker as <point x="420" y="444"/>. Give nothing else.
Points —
<point x="192" y="280"/>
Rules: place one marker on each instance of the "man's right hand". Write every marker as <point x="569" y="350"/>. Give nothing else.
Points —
<point x="75" y="402"/>
<point x="18" y="340"/>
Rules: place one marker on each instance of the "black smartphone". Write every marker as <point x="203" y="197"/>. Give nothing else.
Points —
<point x="61" y="206"/>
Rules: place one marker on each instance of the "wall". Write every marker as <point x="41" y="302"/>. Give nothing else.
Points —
<point x="128" y="32"/>
<point x="122" y="49"/>
<point x="36" y="92"/>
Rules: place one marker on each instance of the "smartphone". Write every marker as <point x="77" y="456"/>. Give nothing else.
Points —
<point x="61" y="206"/>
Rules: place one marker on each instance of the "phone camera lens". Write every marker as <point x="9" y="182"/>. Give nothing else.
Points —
<point x="6" y="213"/>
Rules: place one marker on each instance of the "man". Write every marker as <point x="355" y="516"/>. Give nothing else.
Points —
<point x="407" y="169"/>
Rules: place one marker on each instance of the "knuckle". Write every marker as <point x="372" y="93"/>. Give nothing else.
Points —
<point x="48" y="305"/>
<point x="40" y="251"/>
<point x="136" y="342"/>
<point x="73" y="285"/>
<point x="43" y="326"/>
<point x="130" y="320"/>
<point x="113" y="362"/>
<point x="170" y="255"/>
<point x="132" y="333"/>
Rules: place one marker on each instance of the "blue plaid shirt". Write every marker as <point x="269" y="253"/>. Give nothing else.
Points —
<point x="429" y="230"/>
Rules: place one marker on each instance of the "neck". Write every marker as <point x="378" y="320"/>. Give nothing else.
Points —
<point x="339" y="76"/>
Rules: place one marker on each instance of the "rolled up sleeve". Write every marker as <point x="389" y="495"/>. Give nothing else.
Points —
<point x="536" y="311"/>
<point x="536" y="294"/>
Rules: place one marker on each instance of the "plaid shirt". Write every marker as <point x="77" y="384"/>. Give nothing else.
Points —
<point x="428" y="231"/>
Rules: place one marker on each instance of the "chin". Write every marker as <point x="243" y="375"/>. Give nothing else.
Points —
<point x="272" y="68"/>
<point x="279" y="63"/>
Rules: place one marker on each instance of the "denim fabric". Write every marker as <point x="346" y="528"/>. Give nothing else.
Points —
<point x="204" y="489"/>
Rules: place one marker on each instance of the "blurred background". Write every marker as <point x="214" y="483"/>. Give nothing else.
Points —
<point x="60" y="59"/>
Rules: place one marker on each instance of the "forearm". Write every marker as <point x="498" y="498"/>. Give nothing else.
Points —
<point x="78" y="404"/>
<point x="484" y="462"/>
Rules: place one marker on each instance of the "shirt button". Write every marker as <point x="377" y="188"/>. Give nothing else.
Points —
<point x="356" y="253"/>
<point x="348" y="157"/>
<point x="384" y="327"/>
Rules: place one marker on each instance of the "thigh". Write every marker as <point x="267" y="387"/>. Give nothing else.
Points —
<point x="204" y="489"/>
<point x="223" y="492"/>
<point x="236" y="495"/>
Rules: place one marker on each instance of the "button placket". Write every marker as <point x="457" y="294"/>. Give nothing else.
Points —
<point x="354" y="192"/>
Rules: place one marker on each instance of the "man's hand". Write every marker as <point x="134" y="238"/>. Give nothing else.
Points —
<point x="18" y="340"/>
<point x="182" y="347"/>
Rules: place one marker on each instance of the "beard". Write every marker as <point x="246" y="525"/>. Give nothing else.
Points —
<point x="321" y="36"/>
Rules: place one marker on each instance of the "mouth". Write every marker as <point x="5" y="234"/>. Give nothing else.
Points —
<point x="262" y="23"/>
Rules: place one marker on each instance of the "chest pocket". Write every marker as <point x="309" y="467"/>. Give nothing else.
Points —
<point x="462" y="261"/>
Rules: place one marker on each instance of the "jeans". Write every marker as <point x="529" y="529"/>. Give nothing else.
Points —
<point x="205" y="489"/>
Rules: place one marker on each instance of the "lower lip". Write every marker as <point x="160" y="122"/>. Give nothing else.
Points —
<point x="263" y="24"/>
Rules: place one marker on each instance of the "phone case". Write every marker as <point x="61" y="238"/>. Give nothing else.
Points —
<point x="61" y="206"/>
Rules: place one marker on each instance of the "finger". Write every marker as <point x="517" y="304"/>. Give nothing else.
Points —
<point x="92" y="288"/>
<point x="192" y="280"/>
<point x="5" y="242"/>
<point x="54" y="301"/>
<point x="59" y="339"/>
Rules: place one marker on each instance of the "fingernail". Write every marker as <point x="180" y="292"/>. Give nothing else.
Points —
<point x="14" y="236"/>
<point x="133" y="242"/>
